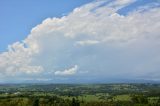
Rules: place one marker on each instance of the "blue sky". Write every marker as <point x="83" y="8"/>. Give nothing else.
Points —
<point x="79" y="41"/>
<point x="18" y="17"/>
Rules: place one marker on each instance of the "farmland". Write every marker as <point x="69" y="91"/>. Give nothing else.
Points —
<point x="80" y="94"/>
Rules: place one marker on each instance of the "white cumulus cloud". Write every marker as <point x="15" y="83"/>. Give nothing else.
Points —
<point x="67" y="72"/>
<point x="122" y="45"/>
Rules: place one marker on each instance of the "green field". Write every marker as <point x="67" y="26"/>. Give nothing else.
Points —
<point x="80" y="95"/>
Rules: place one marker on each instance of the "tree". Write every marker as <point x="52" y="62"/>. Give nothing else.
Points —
<point x="75" y="102"/>
<point x="36" y="102"/>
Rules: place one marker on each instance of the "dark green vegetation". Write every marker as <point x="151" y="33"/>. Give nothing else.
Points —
<point x="80" y="95"/>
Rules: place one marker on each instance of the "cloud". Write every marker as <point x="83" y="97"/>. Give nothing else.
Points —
<point x="122" y="45"/>
<point x="67" y="72"/>
<point x="17" y="60"/>
<point x="87" y="42"/>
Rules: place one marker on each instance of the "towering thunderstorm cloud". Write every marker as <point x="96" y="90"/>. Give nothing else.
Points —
<point x="98" y="40"/>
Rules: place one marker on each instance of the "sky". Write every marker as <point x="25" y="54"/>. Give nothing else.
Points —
<point x="83" y="41"/>
<point x="18" y="17"/>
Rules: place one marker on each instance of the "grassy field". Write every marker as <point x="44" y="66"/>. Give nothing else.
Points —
<point x="80" y="95"/>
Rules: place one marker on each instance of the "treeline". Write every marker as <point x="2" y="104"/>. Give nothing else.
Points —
<point x="77" y="89"/>
<point x="136" y="100"/>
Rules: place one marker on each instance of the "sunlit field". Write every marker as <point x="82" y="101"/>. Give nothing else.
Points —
<point x="80" y="95"/>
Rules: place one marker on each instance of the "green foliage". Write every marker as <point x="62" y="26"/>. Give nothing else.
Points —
<point x="80" y="95"/>
<point x="139" y="99"/>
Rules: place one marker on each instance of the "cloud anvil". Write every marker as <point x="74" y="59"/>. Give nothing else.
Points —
<point x="97" y="40"/>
